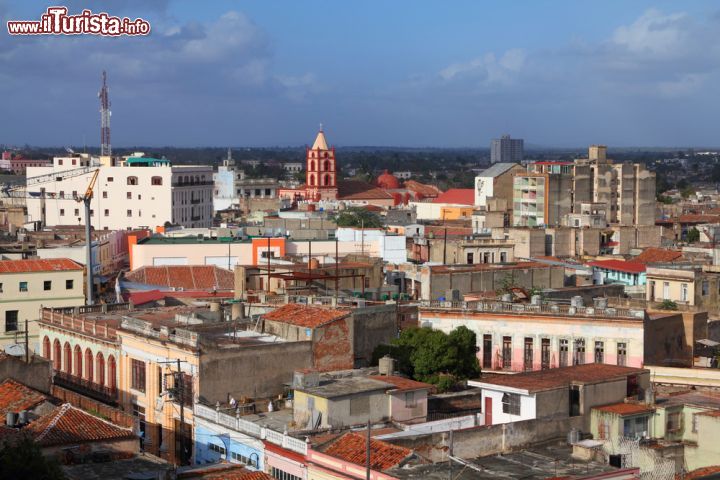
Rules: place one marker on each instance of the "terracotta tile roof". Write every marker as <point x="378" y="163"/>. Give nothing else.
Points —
<point x="623" y="409"/>
<point x="47" y="265"/>
<point x="193" y="277"/>
<point x="458" y="196"/>
<point x="652" y="255"/>
<point x="401" y="384"/>
<point x="619" y="266"/>
<point x="699" y="473"/>
<point x="422" y="189"/>
<point x="357" y="190"/>
<point x="697" y="218"/>
<point x="562" y="377"/>
<point x="69" y="425"/>
<point x="223" y="472"/>
<point x="352" y="447"/>
<point x="14" y="396"/>
<point x="147" y="296"/>
<point x="311" y="316"/>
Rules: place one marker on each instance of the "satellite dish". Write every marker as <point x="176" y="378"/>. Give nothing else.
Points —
<point x="15" y="350"/>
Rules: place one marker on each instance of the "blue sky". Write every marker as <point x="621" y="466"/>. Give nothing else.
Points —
<point x="403" y="73"/>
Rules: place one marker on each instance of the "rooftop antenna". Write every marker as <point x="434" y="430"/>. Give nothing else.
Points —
<point x="105" y="149"/>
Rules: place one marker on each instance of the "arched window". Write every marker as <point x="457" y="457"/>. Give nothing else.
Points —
<point x="326" y="155"/>
<point x="111" y="382"/>
<point x="312" y="166"/>
<point x="57" y="355"/>
<point x="328" y="180"/>
<point x="67" y="351"/>
<point x="89" y="365"/>
<point x="156" y="181"/>
<point x="78" y="361"/>
<point x="100" y="369"/>
<point x="132" y="180"/>
<point x="46" y="348"/>
<point x="311" y="180"/>
<point x="326" y="165"/>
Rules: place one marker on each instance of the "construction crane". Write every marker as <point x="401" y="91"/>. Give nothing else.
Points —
<point x="16" y="192"/>
<point x="85" y="199"/>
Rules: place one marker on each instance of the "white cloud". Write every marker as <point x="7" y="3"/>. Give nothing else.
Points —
<point x="654" y="33"/>
<point x="488" y="69"/>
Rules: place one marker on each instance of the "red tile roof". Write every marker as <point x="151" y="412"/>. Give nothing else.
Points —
<point x="427" y="191"/>
<point x="311" y="316"/>
<point x="699" y="473"/>
<point x="357" y="190"/>
<point x="69" y="425"/>
<point x="619" y="266"/>
<point x="697" y="218"/>
<point x="193" y="277"/>
<point x="14" y="396"/>
<point x="458" y="196"/>
<point x="147" y="296"/>
<point x="47" y="265"/>
<point x="223" y="472"/>
<point x="562" y="377"/>
<point x="352" y="447"/>
<point x="401" y="384"/>
<point x="626" y="408"/>
<point x="652" y="255"/>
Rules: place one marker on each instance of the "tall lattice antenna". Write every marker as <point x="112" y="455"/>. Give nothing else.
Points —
<point x="105" y="113"/>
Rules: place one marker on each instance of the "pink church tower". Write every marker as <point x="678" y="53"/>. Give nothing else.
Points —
<point x="321" y="177"/>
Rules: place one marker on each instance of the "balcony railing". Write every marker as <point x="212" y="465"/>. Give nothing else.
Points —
<point x="547" y="309"/>
<point x="86" y="387"/>
<point x="238" y="424"/>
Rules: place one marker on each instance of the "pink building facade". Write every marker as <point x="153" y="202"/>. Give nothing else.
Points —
<point x="527" y="339"/>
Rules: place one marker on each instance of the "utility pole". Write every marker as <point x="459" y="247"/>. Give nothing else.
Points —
<point x="337" y="271"/>
<point x="367" y="454"/>
<point x="27" y="343"/>
<point x="268" y="265"/>
<point x="88" y="251"/>
<point x="362" y="236"/>
<point x="445" y="248"/>
<point x="179" y="393"/>
<point x="450" y="454"/>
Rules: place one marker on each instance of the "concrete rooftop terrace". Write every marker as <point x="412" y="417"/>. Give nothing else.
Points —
<point x="551" y="461"/>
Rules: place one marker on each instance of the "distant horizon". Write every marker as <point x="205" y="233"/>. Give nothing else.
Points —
<point x="528" y="148"/>
<point x="560" y="74"/>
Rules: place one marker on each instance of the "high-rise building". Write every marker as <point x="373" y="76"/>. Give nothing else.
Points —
<point x="550" y="191"/>
<point x="506" y="149"/>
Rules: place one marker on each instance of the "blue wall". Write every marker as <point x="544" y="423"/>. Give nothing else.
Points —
<point x="227" y="439"/>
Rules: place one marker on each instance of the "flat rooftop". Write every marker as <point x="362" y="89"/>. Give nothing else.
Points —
<point x="552" y="461"/>
<point x="554" y="378"/>
<point x="342" y="387"/>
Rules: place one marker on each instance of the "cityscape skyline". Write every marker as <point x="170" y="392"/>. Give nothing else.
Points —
<point x="239" y="73"/>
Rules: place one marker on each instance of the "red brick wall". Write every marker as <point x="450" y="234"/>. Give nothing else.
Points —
<point x="333" y="346"/>
<point x="118" y="417"/>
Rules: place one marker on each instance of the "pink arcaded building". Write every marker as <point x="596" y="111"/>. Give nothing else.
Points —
<point x="524" y="337"/>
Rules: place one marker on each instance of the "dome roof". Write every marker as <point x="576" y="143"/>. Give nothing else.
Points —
<point x="387" y="180"/>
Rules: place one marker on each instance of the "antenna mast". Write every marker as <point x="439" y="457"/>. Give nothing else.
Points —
<point x="105" y="148"/>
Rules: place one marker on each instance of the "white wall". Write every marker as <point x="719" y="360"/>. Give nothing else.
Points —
<point x="527" y="406"/>
<point x="148" y="206"/>
<point x="483" y="190"/>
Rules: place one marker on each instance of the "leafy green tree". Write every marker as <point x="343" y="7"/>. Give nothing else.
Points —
<point x="358" y="217"/>
<point x="433" y="356"/>
<point x="693" y="235"/>
<point x="24" y="459"/>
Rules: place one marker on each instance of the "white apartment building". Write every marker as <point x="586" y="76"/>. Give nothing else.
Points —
<point x="136" y="192"/>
